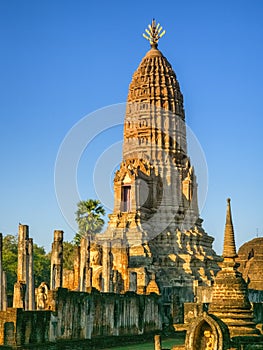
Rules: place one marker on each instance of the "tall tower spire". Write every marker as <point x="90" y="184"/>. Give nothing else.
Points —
<point x="229" y="250"/>
<point x="156" y="215"/>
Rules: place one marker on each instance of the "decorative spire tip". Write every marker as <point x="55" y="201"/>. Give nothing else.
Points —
<point x="154" y="33"/>
<point x="229" y="250"/>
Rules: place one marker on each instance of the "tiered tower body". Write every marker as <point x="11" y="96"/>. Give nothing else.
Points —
<point x="154" y="239"/>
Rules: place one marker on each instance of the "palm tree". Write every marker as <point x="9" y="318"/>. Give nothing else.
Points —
<point x="89" y="218"/>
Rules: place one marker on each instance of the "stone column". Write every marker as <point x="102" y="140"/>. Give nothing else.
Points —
<point x="76" y="268"/>
<point x="31" y="282"/>
<point x="56" y="275"/>
<point x="19" y="295"/>
<point x="20" y="298"/>
<point x="157" y="342"/>
<point x="1" y="272"/>
<point x="89" y="274"/>
<point x="85" y="269"/>
<point x="89" y="270"/>
<point x="124" y="268"/>
<point x="82" y="267"/>
<point x="22" y="258"/>
<point x="4" y="295"/>
<point x="106" y="267"/>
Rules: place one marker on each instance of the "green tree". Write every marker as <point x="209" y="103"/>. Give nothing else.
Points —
<point x="41" y="263"/>
<point x="68" y="255"/>
<point x="89" y="218"/>
<point x="10" y="262"/>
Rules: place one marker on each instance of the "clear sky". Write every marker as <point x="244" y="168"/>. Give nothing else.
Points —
<point x="62" y="60"/>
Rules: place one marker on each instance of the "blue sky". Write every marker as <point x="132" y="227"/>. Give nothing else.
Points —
<point x="62" y="60"/>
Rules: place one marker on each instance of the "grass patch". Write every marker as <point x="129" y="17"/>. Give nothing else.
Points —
<point x="166" y="344"/>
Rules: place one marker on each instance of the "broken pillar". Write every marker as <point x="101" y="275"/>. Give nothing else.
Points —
<point x="31" y="282"/>
<point x="4" y="294"/>
<point x="20" y="298"/>
<point x="76" y="268"/>
<point x="85" y="271"/>
<point x="157" y="342"/>
<point x="82" y="267"/>
<point x="22" y="257"/>
<point x="56" y="275"/>
<point x="106" y="267"/>
<point x="119" y="268"/>
<point x="89" y="275"/>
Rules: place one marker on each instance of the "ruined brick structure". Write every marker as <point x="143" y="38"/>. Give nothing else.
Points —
<point x="229" y="322"/>
<point x="81" y="316"/>
<point x="59" y="314"/>
<point x="230" y="293"/>
<point x="250" y="258"/>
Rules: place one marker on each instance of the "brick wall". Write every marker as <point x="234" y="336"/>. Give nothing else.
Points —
<point x="77" y="316"/>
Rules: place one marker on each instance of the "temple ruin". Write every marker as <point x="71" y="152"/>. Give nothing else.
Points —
<point x="154" y="266"/>
<point x="229" y="321"/>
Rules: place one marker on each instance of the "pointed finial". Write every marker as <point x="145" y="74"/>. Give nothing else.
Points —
<point x="154" y="33"/>
<point x="229" y="250"/>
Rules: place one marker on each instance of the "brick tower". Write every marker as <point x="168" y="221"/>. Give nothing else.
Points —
<point x="154" y="240"/>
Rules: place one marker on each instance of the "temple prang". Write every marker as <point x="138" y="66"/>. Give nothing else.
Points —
<point x="155" y="231"/>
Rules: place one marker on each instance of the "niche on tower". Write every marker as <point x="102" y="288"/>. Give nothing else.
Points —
<point x="126" y="198"/>
<point x="136" y="188"/>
